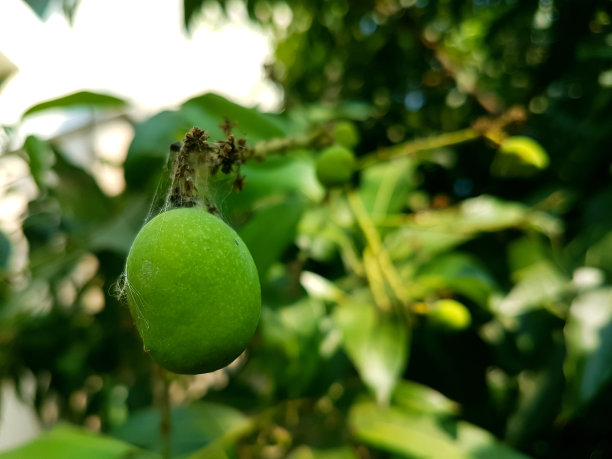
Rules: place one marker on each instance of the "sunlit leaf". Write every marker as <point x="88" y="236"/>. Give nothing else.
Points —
<point x="67" y="442"/>
<point x="79" y="100"/>
<point x="541" y="284"/>
<point x="418" y="398"/>
<point x="409" y="433"/>
<point x="588" y="335"/>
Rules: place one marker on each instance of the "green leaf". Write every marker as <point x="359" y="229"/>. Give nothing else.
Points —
<point x="5" y="251"/>
<point x="409" y="433"/>
<point x="271" y="231"/>
<point x="459" y="272"/>
<point x="67" y="442"/>
<point x="539" y="399"/>
<point x="588" y="336"/>
<point x="306" y="452"/>
<point x="78" y="99"/>
<point x="151" y="144"/>
<point x="434" y="231"/>
<point x="193" y="427"/>
<point x="40" y="159"/>
<point x="385" y="186"/>
<point x="418" y="398"/>
<point x="39" y="6"/>
<point x="190" y="9"/>
<point x="210" y="110"/>
<point x="542" y="284"/>
<point x="289" y="175"/>
<point x="376" y="344"/>
<point x="292" y="337"/>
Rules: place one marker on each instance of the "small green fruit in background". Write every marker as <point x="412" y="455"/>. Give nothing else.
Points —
<point x="335" y="166"/>
<point x="346" y="134"/>
<point x="450" y="315"/>
<point x="519" y="156"/>
<point x="193" y="291"/>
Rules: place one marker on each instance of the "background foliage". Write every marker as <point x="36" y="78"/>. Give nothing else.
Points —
<point x="356" y="356"/>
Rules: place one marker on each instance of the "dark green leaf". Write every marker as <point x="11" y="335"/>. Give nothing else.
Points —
<point x="40" y="159"/>
<point x="193" y="427"/>
<point x="271" y="230"/>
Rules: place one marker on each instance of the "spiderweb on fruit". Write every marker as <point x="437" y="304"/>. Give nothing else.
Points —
<point x="199" y="173"/>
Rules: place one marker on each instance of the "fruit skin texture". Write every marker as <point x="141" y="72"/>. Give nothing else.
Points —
<point x="335" y="166"/>
<point x="193" y="291"/>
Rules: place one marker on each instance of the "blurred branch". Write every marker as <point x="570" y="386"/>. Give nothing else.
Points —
<point x="487" y="100"/>
<point x="493" y="129"/>
<point x="316" y="139"/>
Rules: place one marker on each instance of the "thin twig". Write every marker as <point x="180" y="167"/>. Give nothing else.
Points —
<point x="413" y="147"/>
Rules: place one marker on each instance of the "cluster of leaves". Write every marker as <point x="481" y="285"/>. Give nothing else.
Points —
<point x="454" y="296"/>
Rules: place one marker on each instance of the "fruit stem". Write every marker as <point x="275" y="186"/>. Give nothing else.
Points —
<point x="162" y="393"/>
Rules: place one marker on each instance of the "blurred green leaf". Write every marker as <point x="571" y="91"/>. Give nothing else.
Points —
<point x="542" y="284"/>
<point x="409" y="433"/>
<point x="306" y="452"/>
<point x="271" y="230"/>
<point x="377" y="345"/>
<point x="40" y="159"/>
<point x="193" y="427"/>
<point x="67" y="442"/>
<point x="588" y="336"/>
<point x="190" y="9"/>
<point x="418" y="398"/>
<point x="78" y="99"/>
<point x="39" y="6"/>
<point x="459" y="272"/>
<point x="295" y="331"/>
<point x="540" y="394"/>
<point x="149" y="148"/>
<point x="5" y="251"/>
<point x="384" y="187"/>
<point x="211" y="110"/>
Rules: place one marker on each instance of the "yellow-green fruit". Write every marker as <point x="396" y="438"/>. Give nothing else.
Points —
<point x="451" y="315"/>
<point x="335" y="166"/>
<point x="346" y="134"/>
<point x="193" y="291"/>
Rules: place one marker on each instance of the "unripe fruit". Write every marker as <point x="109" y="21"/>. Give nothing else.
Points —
<point x="450" y="315"/>
<point x="346" y="134"/>
<point x="335" y="166"/>
<point x="193" y="291"/>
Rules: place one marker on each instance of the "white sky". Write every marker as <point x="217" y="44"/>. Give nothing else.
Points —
<point x="136" y="49"/>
